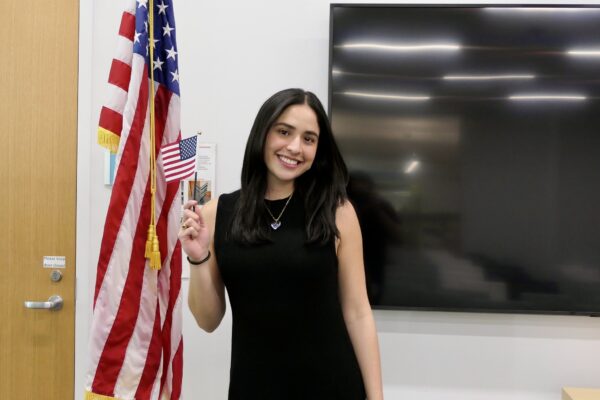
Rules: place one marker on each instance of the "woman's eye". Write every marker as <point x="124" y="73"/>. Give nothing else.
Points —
<point x="284" y="132"/>
<point x="309" y="139"/>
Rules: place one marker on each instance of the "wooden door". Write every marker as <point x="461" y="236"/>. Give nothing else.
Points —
<point x="38" y="136"/>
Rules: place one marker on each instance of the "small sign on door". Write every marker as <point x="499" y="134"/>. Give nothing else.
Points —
<point x="55" y="262"/>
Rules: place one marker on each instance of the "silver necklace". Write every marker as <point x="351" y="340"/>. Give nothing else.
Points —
<point x="276" y="221"/>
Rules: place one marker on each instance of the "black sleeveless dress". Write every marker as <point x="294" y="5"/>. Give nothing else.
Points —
<point x="289" y="339"/>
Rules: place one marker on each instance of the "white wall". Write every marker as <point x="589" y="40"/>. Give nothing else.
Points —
<point x="233" y="55"/>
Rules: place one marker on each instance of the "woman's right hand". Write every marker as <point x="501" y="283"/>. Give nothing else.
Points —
<point x="193" y="233"/>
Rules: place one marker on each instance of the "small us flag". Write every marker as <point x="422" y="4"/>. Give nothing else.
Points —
<point x="179" y="159"/>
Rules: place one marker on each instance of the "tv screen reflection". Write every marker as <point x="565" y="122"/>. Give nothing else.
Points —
<point x="472" y="137"/>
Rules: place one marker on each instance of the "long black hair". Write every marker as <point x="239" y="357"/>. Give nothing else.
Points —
<point x="322" y="187"/>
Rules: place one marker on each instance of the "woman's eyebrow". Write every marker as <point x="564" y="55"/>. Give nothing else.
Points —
<point x="292" y="127"/>
<point x="286" y="125"/>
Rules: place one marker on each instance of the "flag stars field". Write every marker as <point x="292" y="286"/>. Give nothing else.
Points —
<point x="158" y="64"/>
<point x="175" y="76"/>
<point x="171" y="53"/>
<point x="162" y="8"/>
<point x="167" y="30"/>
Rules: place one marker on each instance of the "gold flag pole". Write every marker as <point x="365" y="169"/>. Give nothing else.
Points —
<point x="152" y="246"/>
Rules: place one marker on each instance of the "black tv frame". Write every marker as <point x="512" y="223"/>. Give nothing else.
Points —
<point x="329" y="106"/>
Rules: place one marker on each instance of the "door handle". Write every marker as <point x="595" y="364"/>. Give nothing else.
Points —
<point x="54" y="303"/>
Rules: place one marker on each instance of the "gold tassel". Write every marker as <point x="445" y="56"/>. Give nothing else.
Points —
<point x="154" y="255"/>
<point x="150" y="238"/>
<point x="108" y="140"/>
<point x="155" y="258"/>
<point x="93" y="396"/>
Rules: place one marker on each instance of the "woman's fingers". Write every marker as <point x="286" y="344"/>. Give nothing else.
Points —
<point x="190" y="205"/>
<point x="191" y="216"/>
<point x="189" y="227"/>
<point x="189" y="233"/>
<point x="192" y="222"/>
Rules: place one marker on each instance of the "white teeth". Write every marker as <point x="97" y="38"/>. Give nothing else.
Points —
<point x="288" y="160"/>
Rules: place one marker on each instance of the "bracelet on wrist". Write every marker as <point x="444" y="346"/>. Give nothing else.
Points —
<point x="194" y="262"/>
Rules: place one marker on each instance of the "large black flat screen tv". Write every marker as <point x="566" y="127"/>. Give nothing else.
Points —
<point x="472" y="137"/>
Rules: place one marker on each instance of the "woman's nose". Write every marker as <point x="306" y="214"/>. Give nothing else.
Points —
<point x="294" y="144"/>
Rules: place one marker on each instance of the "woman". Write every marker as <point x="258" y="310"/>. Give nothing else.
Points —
<point x="288" y="247"/>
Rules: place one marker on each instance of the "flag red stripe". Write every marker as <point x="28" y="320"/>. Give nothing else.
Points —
<point x="120" y="74"/>
<point x="173" y="163"/>
<point x="116" y="344"/>
<point x="177" y="371"/>
<point x="111" y="120"/>
<point x="163" y="99"/>
<point x="153" y="358"/>
<point x="127" y="28"/>
<point x="113" y="353"/>
<point x="180" y="172"/>
<point x="122" y="187"/>
<point x="136" y="344"/>
<point x="161" y="107"/>
<point x="155" y="351"/>
<point x="175" y="285"/>
<point x="170" y="147"/>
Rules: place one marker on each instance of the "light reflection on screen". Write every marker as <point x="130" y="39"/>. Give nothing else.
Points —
<point x="473" y="139"/>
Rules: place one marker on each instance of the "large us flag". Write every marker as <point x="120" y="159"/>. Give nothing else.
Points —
<point x="135" y="344"/>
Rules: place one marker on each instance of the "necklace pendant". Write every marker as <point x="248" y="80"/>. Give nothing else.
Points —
<point x="275" y="225"/>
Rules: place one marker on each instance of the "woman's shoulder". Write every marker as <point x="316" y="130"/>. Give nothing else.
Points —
<point x="223" y="203"/>
<point x="345" y="209"/>
<point x="209" y="209"/>
<point x="345" y="215"/>
<point x="212" y="207"/>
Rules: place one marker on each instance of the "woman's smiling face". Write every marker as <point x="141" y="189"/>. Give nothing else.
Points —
<point x="291" y="144"/>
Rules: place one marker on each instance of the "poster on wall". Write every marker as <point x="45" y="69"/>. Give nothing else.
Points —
<point x="110" y="161"/>
<point x="201" y="186"/>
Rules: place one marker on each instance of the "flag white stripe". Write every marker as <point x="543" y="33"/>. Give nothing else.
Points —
<point x="156" y="288"/>
<point x="117" y="99"/>
<point x="109" y="295"/>
<point x="172" y="129"/>
<point x="174" y="166"/>
<point x="138" y="71"/>
<point x="181" y="176"/>
<point x="124" y="53"/>
<point x="172" y="158"/>
<point x="172" y="155"/>
<point x="171" y="147"/>
<point x="173" y="218"/>
<point x="179" y="172"/>
<point x="156" y="386"/>
<point x="137" y="348"/>
<point x="185" y="172"/>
